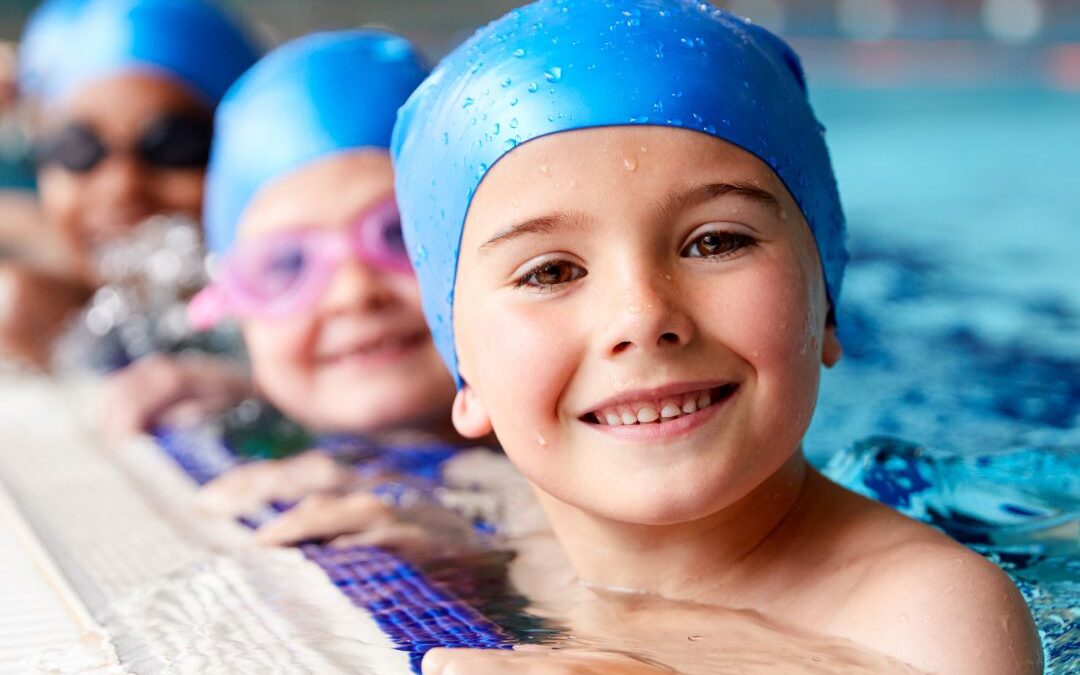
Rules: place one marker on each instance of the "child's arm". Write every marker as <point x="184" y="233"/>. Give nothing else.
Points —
<point x="35" y="307"/>
<point x="947" y="610"/>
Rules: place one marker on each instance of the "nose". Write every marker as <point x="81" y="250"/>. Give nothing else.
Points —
<point x="649" y="316"/>
<point x="356" y="286"/>
<point x="121" y="183"/>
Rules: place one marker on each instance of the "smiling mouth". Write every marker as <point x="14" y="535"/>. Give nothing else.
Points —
<point x="659" y="411"/>
<point x="383" y="348"/>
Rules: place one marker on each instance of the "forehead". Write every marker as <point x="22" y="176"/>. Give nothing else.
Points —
<point x="329" y="192"/>
<point x="612" y="169"/>
<point x="124" y="103"/>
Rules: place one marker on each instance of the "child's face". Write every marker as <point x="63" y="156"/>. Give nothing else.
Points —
<point x="109" y="120"/>
<point x="650" y="269"/>
<point x="361" y="359"/>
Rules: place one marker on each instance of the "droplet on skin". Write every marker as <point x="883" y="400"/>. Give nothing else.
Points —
<point x="545" y="170"/>
<point x="634" y="308"/>
<point x="540" y="440"/>
<point x="693" y="638"/>
<point x="630" y="164"/>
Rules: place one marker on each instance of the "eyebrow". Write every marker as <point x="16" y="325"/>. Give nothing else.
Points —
<point x="673" y="203"/>
<point x="548" y="224"/>
<point x="702" y="194"/>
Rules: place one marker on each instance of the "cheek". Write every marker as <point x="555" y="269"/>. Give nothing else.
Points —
<point x="179" y="191"/>
<point x="407" y="292"/>
<point x="281" y="355"/>
<point x="59" y="194"/>
<point x="519" y="355"/>
<point x="770" y="325"/>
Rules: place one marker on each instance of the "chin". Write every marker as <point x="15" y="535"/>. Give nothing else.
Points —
<point x="368" y="416"/>
<point x="659" y="499"/>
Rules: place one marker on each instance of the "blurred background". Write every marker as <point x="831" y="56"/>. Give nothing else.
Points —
<point x="955" y="130"/>
<point x="874" y="42"/>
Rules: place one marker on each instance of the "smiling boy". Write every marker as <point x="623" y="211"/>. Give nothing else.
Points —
<point x="629" y="239"/>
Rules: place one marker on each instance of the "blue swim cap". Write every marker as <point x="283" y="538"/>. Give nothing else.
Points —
<point x="70" y="43"/>
<point x="315" y="96"/>
<point x="559" y="65"/>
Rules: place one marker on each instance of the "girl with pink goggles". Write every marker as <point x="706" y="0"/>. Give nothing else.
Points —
<point x="285" y="274"/>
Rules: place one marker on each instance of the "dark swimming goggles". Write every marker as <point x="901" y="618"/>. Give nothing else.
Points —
<point x="169" y="142"/>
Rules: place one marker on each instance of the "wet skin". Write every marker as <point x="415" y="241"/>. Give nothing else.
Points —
<point x="620" y="270"/>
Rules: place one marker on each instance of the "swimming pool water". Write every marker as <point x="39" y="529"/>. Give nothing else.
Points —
<point x="960" y="313"/>
<point x="958" y="398"/>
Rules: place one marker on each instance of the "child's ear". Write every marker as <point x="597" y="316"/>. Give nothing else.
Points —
<point x="831" y="349"/>
<point x="469" y="415"/>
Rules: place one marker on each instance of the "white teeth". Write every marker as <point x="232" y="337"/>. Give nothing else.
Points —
<point x="647" y="413"/>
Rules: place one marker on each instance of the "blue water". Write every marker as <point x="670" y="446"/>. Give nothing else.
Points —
<point x="958" y="398"/>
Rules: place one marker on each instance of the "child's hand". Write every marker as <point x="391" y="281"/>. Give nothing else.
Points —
<point x="252" y="486"/>
<point x="534" y="660"/>
<point x="171" y="390"/>
<point x="361" y="518"/>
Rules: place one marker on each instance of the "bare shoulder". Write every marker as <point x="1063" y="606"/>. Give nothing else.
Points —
<point x="942" y="608"/>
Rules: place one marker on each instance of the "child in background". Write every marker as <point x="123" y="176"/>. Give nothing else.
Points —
<point x="300" y="213"/>
<point x="125" y="91"/>
<point x="630" y="244"/>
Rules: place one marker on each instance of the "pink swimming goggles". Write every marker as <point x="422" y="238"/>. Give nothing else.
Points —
<point x="284" y="274"/>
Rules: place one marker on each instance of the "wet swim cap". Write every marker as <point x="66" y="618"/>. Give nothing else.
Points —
<point x="70" y="43"/>
<point x="315" y="96"/>
<point x="559" y="65"/>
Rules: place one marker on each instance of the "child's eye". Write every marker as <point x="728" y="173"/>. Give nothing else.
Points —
<point x="546" y="276"/>
<point x="717" y="245"/>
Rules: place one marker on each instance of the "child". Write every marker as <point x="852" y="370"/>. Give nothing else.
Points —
<point x="125" y="91"/>
<point x="300" y="212"/>
<point x="629" y="241"/>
